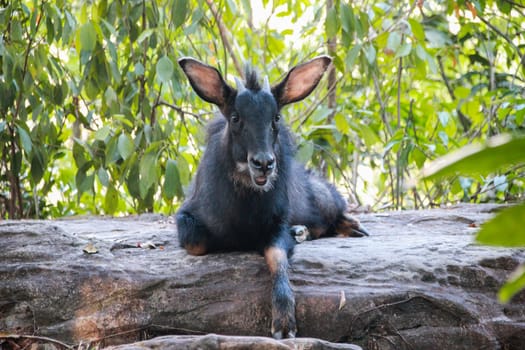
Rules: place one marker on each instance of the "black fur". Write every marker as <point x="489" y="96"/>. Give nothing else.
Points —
<point x="235" y="218"/>
<point x="249" y="190"/>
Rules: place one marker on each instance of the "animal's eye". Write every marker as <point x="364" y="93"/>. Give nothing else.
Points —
<point x="277" y="118"/>
<point x="234" y="117"/>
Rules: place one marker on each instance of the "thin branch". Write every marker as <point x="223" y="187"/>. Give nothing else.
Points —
<point x="34" y="337"/>
<point x="382" y="104"/>
<point x="153" y="116"/>
<point x="313" y="106"/>
<point x="401" y="19"/>
<point x="330" y="154"/>
<point x="355" y="165"/>
<point x="142" y="78"/>
<point x="332" y="79"/>
<point x="501" y="34"/>
<point x="465" y="122"/>
<point x="399" y="76"/>
<point x="14" y="177"/>
<point x="514" y="3"/>
<point x="177" y="109"/>
<point x="412" y="120"/>
<point x="224" y="33"/>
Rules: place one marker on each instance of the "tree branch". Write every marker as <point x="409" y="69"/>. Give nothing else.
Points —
<point x="399" y="76"/>
<point x="177" y="109"/>
<point x="465" y="122"/>
<point x="142" y="78"/>
<point x="501" y="34"/>
<point x="514" y="3"/>
<point x="224" y="33"/>
<point x="381" y="104"/>
<point x="39" y="338"/>
<point x="14" y="177"/>
<point x="332" y="79"/>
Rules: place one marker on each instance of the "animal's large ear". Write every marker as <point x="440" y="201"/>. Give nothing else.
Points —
<point x="206" y="81"/>
<point x="301" y="80"/>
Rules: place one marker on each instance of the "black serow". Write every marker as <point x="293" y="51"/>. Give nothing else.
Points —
<point x="249" y="192"/>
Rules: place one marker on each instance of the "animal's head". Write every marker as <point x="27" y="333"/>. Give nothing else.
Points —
<point x="253" y="113"/>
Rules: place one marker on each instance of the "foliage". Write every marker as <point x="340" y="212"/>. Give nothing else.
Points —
<point x="506" y="228"/>
<point x="97" y="118"/>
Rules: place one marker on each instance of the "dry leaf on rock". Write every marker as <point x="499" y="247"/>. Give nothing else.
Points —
<point x="90" y="249"/>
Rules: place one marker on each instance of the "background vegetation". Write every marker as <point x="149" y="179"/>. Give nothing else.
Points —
<point x="96" y="117"/>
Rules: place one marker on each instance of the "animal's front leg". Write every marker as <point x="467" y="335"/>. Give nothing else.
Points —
<point x="193" y="236"/>
<point x="283" y="301"/>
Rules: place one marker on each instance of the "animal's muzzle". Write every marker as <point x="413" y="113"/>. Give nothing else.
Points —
<point x="262" y="165"/>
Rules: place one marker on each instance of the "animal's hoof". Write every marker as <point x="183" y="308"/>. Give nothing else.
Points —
<point x="300" y="233"/>
<point x="348" y="226"/>
<point x="283" y="335"/>
<point x="283" y="323"/>
<point x="278" y="335"/>
<point x="359" y="231"/>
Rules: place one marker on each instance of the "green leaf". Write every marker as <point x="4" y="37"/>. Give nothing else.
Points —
<point x="125" y="146"/>
<point x="370" y="53"/>
<point x="111" y="200"/>
<point x="341" y="123"/>
<point x="144" y="35"/>
<point x="102" y="133"/>
<point x="425" y="56"/>
<point x="179" y="12"/>
<point x="87" y="37"/>
<point x="25" y="139"/>
<point x="79" y="154"/>
<point x="84" y="182"/>
<point x="172" y="184"/>
<point x="148" y="173"/>
<point x="394" y="41"/>
<point x="404" y="50"/>
<point x="139" y="69"/>
<point x="417" y="29"/>
<point x="133" y="179"/>
<point x="331" y="23"/>
<point x="505" y="229"/>
<point x="348" y="18"/>
<point x="352" y="56"/>
<point x="164" y="69"/>
<point x="436" y="38"/>
<point x="462" y="92"/>
<point x="514" y="285"/>
<point x="443" y="117"/>
<point x="369" y="136"/>
<point x="499" y="152"/>
<point x="103" y="177"/>
<point x="418" y="157"/>
<point x="37" y="166"/>
<point x="504" y="6"/>
<point x="184" y="170"/>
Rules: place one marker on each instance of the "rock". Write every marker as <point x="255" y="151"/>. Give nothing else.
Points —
<point x="212" y="341"/>
<point x="419" y="282"/>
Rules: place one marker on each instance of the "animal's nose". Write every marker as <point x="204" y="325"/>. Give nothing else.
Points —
<point x="263" y="161"/>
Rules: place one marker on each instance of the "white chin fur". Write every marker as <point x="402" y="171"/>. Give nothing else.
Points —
<point x="244" y="177"/>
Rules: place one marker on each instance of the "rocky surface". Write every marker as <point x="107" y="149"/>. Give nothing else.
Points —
<point x="213" y="341"/>
<point x="419" y="282"/>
